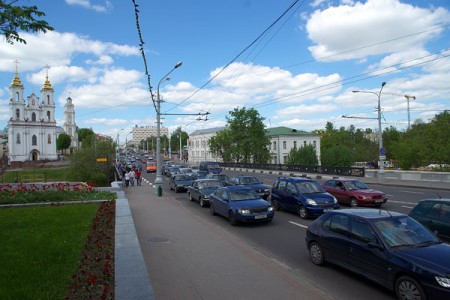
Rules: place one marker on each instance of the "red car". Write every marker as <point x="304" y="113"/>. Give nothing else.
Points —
<point x="354" y="193"/>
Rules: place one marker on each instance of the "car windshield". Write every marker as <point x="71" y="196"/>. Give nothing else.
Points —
<point x="310" y="187"/>
<point x="239" y="195"/>
<point x="356" y="185"/>
<point x="209" y="185"/>
<point x="249" y="180"/>
<point x="404" y="231"/>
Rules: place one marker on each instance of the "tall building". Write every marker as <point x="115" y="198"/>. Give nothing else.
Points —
<point x="70" y="127"/>
<point x="144" y="132"/>
<point x="32" y="130"/>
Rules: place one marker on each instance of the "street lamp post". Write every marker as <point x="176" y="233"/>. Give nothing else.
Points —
<point x="158" y="179"/>
<point x="180" y="145"/>
<point x="382" y="151"/>
<point x="126" y="146"/>
<point x="118" y="145"/>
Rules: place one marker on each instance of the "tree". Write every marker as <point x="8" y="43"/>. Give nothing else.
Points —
<point x="305" y="155"/>
<point x="175" y="139"/>
<point x="221" y="145"/>
<point x="86" y="136"/>
<point x="63" y="142"/>
<point x="14" y="17"/>
<point x="337" y="156"/>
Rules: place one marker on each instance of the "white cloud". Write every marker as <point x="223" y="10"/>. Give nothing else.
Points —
<point x="338" y="29"/>
<point x="105" y="7"/>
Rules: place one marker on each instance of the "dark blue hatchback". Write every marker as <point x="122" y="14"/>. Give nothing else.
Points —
<point x="389" y="248"/>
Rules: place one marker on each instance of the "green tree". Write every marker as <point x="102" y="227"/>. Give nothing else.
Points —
<point x="175" y="139"/>
<point x="63" y="142"/>
<point x="85" y="166"/>
<point x="86" y="137"/>
<point x="305" y="155"/>
<point x="13" y="17"/>
<point x="221" y="145"/>
<point x="337" y="156"/>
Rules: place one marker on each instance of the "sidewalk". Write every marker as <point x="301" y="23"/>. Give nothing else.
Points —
<point x="189" y="258"/>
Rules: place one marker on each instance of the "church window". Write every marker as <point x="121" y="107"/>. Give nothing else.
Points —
<point x="33" y="102"/>
<point x="48" y="99"/>
<point x="18" y="138"/>
<point x="33" y="117"/>
<point x="17" y="96"/>
<point x="48" y="116"/>
<point x="70" y="131"/>
<point x="34" y="140"/>
<point x="49" y="138"/>
<point x="17" y="114"/>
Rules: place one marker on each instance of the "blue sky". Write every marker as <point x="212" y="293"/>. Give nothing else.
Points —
<point x="300" y="73"/>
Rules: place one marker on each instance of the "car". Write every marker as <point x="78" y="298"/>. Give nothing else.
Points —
<point x="151" y="167"/>
<point x="301" y="195"/>
<point x="354" y="193"/>
<point x="199" y="174"/>
<point x="221" y="177"/>
<point x="389" y="248"/>
<point x="172" y="171"/>
<point x="210" y="167"/>
<point x="252" y="182"/>
<point x="240" y="204"/>
<point x="201" y="189"/>
<point x="180" y="182"/>
<point x="435" y="215"/>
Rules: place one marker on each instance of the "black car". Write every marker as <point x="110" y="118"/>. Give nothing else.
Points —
<point x="201" y="189"/>
<point x="387" y="247"/>
<point x="435" y="215"/>
<point x="252" y="182"/>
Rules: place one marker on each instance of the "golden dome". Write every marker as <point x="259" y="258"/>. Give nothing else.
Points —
<point x="16" y="81"/>
<point x="47" y="85"/>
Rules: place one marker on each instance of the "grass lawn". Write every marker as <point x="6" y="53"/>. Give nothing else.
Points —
<point x="41" y="248"/>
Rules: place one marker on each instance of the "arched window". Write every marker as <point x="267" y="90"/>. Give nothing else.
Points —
<point x="17" y="96"/>
<point x="18" y="138"/>
<point x="17" y="114"/>
<point x="34" y="140"/>
<point x="48" y="99"/>
<point x="49" y="139"/>
<point x="48" y="116"/>
<point x="33" y="117"/>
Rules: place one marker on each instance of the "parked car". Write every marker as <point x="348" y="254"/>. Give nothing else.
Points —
<point x="180" y="182"/>
<point x="240" y="204"/>
<point x="210" y="167"/>
<point x="354" y="193"/>
<point x="201" y="189"/>
<point x="151" y="167"/>
<point x="252" y="182"/>
<point x="301" y="195"/>
<point x="387" y="247"/>
<point x="221" y="177"/>
<point x="435" y="215"/>
<point x="199" y="174"/>
<point x="172" y="171"/>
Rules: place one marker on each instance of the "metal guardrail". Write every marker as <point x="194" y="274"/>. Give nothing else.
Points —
<point x="331" y="170"/>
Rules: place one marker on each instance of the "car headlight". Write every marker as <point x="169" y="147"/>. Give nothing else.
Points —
<point x="311" y="202"/>
<point x="335" y="200"/>
<point x="270" y="208"/>
<point x="443" y="281"/>
<point x="206" y="196"/>
<point x="266" y="190"/>
<point x="244" y="211"/>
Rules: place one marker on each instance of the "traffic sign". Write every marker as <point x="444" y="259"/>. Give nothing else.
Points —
<point x="382" y="157"/>
<point x="382" y="151"/>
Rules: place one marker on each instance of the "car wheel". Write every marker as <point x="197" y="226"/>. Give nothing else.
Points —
<point x="190" y="197"/>
<point x="353" y="202"/>
<point x="202" y="202"/>
<point x="303" y="212"/>
<point x="316" y="254"/>
<point x="211" y="209"/>
<point x="232" y="218"/>
<point x="408" y="288"/>
<point x="275" y="204"/>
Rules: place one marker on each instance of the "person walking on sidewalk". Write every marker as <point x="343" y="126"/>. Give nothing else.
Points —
<point x="132" y="177"/>
<point x="127" y="178"/>
<point x="138" y="177"/>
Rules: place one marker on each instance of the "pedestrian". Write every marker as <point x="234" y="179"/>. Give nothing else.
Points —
<point x="132" y="177"/>
<point x="127" y="178"/>
<point x="138" y="177"/>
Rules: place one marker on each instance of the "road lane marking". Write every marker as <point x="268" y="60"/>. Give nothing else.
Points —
<point x="407" y="206"/>
<point x="411" y="192"/>
<point x="402" y="202"/>
<point x="297" y="224"/>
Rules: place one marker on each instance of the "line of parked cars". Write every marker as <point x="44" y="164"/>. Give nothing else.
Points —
<point x="400" y="252"/>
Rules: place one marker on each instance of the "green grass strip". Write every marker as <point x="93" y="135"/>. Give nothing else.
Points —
<point x="40" y="248"/>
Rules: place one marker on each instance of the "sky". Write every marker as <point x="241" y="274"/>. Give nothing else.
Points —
<point x="296" y="62"/>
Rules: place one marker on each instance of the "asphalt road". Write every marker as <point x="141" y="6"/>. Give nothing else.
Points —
<point x="283" y="269"/>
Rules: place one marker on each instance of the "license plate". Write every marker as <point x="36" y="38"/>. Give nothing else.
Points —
<point x="378" y="201"/>
<point x="327" y="209"/>
<point x="261" y="217"/>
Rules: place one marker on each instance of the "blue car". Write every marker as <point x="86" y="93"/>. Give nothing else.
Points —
<point x="303" y="196"/>
<point x="240" y="204"/>
<point x="180" y="182"/>
<point x="252" y="182"/>
<point x="389" y="248"/>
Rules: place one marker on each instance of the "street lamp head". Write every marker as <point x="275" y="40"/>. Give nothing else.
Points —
<point x="383" y="83"/>
<point x="178" y="64"/>
<point x="355" y="91"/>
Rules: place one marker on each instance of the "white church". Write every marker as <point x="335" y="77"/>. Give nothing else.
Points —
<point x="32" y="130"/>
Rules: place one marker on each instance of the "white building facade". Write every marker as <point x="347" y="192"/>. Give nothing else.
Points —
<point x="70" y="127"/>
<point x="146" y="132"/>
<point x="282" y="140"/>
